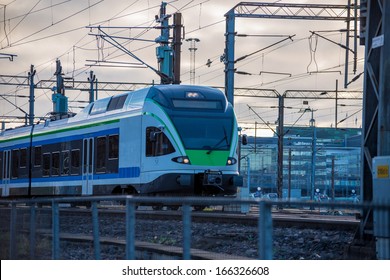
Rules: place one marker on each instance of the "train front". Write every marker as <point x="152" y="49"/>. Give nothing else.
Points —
<point x="201" y="126"/>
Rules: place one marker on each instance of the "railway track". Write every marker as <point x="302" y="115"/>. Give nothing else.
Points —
<point x="144" y="250"/>
<point x="215" y="234"/>
<point x="281" y="218"/>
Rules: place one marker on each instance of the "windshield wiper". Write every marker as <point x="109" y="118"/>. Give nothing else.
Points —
<point x="219" y="142"/>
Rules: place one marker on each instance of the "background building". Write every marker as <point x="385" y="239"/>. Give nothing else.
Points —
<point x="336" y="154"/>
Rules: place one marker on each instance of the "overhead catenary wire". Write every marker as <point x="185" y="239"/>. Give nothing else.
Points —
<point x="79" y="70"/>
<point x="20" y="41"/>
<point x="28" y="13"/>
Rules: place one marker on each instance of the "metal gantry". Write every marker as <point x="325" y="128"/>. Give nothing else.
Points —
<point x="280" y="11"/>
<point x="291" y="11"/>
<point x="91" y="85"/>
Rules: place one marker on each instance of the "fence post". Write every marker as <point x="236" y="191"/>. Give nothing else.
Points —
<point x="265" y="231"/>
<point x="130" y="230"/>
<point x="12" y="233"/>
<point x="95" y="225"/>
<point x="186" y="232"/>
<point x="32" y="230"/>
<point x="55" y="231"/>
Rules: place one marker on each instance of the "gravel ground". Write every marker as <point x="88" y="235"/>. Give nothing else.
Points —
<point x="233" y="239"/>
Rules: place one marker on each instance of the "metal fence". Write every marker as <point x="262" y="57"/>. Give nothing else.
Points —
<point x="30" y="229"/>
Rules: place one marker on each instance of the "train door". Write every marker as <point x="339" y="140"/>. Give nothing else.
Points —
<point x="88" y="167"/>
<point x="6" y="172"/>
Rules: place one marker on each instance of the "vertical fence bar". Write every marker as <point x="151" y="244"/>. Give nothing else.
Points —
<point x="265" y="231"/>
<point x="186" y="232"/>
<point x="12" y="233"/>
<point x="95" y="225"/>
<point x="32" y="230"/>
<point x="55" y="231"/>
<point x="130" y="230"/>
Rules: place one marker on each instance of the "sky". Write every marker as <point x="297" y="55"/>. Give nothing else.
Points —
<point x="39" y="32"/>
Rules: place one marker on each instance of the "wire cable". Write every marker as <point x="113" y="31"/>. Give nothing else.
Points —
<point x="28" y="13"/>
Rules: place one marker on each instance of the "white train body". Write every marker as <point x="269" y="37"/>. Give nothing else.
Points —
<point x="162" y="140"/>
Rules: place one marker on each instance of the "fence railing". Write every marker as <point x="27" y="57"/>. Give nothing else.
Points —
<point x="9" y="210"/>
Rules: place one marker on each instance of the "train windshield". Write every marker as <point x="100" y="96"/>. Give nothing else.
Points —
<point x="204" y="133"/>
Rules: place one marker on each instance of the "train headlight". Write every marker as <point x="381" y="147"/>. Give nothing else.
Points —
<point x="182" y="160"/>
<point x="231" y="161"/>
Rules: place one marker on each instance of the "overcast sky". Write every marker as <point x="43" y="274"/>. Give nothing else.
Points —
<point x="41" y="31"/>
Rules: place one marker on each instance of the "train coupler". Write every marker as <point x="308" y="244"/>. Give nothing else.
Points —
<point x="212" y="178"/>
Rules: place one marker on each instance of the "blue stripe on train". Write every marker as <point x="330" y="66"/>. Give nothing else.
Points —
<point x="127" y="172"/>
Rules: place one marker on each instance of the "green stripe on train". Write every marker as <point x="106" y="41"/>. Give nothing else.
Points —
<point x="61" y="130"/>
<point x="214" y="158"/>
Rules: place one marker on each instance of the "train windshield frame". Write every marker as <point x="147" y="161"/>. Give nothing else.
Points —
<point x="205" y="132"/>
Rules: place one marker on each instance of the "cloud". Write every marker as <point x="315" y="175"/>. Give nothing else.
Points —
<point x="66" y="38"/>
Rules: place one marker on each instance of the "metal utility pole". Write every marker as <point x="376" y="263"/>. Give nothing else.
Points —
<point x="91" y="80"/>
<point x="176" y="46"/>
<point x="313" y="155"/>
<point x="280" y="134"/>
<point x="335" y="106"/>
<point x="31" y="75"/>
<point x="167" y="53"/>
<point x="164" y="51"/>
<point x="289" y="172"/>
<point x="333" y="176"/>
<point x="60" y="101"/>
<point x="280" y="146"/>
<point x="193" y="50"/>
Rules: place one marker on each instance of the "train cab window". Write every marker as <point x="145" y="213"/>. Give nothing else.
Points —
<point x="15" y="163"/>
<point x="157" y="143"/>
<point x="113" y="146"/>
<point x="75" y="162"/>
<point x="38" y="156"/>
<point x="46" y="160"/>
<point x="101" y="154"/>
<point x="23" y="158"/>
<point x="55" y="161"/>
<point x="116" y="102"/>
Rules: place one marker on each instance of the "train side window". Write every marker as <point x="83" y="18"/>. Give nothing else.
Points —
<point x="113" y="146"/>
<point x="101" y="154"/>
<point x="37" y="156"/>
<point x="75" y="162"/>
<point x="65" y="163"/>
<point x="15" y="163"/>
<point x="157" y="143"/>
<point x="23" y="158"/>
<point x="55" y="161"/>
<point x="46" y="161"/>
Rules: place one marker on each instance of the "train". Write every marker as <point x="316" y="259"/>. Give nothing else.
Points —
<point x="163" y="140"/>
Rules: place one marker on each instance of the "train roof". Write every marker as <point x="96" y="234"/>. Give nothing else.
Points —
<point x="163" y="94"/>
<point x="170" y="96"/>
